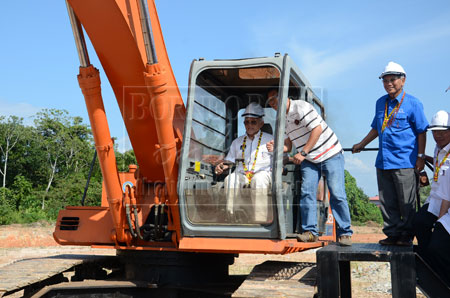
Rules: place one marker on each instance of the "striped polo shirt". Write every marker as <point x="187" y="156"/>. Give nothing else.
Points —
<point x="300" y="121"/>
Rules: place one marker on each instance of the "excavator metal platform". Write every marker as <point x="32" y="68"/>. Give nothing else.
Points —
<point x="32" y="274"/>
<point x="408" y="270"/>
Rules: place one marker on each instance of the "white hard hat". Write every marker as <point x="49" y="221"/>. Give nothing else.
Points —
<point x="440" y="121"/>
<point x="253" y="110"/>
<point x="393" y="69"/>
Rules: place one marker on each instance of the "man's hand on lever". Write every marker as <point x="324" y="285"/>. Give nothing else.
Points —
<point x="221" y="167"/>
<point x="269" y="146"/>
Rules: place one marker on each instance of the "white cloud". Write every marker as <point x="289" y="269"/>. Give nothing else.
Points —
<point x="320" y="65"/>
<point x="353" y="163"/>
<point x="21" y="109"/>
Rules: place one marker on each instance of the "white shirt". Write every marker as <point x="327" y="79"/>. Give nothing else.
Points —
<point x="264" y="158"/>
<point x="301" y="119"/>
<point x="440" y="189"/>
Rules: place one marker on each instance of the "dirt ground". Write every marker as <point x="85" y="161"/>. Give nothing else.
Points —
<point x="35" y="240"/>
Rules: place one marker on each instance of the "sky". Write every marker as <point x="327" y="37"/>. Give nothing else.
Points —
<point x="340" y="46"/>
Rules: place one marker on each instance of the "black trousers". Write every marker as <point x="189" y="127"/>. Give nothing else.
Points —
<point x="438" y="252"/>
<point x="397" y="190"/>
<point x="423" y="227"/>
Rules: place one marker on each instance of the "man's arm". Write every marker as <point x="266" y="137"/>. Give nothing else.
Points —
<point x="287" y="145"/>
<point x="231" y="157"/>
<point x="373" y="133"/>
<point x="312" y="140"/>
<point x="421" y="140"/>
<point x="286" y="148"/>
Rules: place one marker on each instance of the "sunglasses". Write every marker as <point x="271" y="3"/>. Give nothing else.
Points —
<point x="252" y="122"/>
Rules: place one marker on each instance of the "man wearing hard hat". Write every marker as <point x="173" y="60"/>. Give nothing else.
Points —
<point x="400" y="125"/>
<point x="432" y="222"/>
<point x="254" y="168"/>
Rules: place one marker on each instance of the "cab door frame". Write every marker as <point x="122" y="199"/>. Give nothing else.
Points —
<point x="272" y="231"/>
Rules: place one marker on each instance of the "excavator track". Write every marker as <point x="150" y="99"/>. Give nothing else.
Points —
<point x="34" y="273"/>
<point x="70" y="275"/>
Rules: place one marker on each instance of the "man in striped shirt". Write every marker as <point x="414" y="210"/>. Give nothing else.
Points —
<point x="318" y="153"/>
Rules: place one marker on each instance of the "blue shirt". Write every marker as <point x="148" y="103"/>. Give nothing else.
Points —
<point x="398" y="143"/>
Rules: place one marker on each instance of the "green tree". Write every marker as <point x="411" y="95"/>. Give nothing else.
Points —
<point x="424" y="193"/>
<point x="78" y="143"/>
<point x="125" y="159"/>
<point x="47" y="166"/>
<point x="30" y="160"/>
<point x="361" y="209"/>
<point x="65" y="141"/>
<point x="6" y="209"/>
<point x="67" y="193"/>
<point x="10" y="133"/>
<point x="21" y="191"/>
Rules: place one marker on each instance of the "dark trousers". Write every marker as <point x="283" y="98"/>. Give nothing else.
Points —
<point x="438" y="252"/>
<point x="423" y="227"/>
<point x="397" y="191"/>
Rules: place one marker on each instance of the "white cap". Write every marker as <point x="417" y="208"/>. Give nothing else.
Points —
<point x="253" y="110"/>
<point x="393" y="69"/>
<point x="440" y="121"/>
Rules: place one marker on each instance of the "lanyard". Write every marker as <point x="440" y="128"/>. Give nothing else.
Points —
<point x="437" y="166"/>
<point x="249" y="174"/>
<point x="388" y="120"/>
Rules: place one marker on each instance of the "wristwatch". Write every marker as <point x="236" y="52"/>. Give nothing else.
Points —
<point x="303" y="153"/>
<point x="421" y="155"/>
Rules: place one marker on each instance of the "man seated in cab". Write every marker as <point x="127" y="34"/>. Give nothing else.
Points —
<point x="432" y="221"/>
<point x="253" y="165"/>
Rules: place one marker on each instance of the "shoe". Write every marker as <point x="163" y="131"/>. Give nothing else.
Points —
<point x="345" y="240"/>
<point x="405" y="240"/>
<point x="307" y="237"/>
<point x="390" y="240"/>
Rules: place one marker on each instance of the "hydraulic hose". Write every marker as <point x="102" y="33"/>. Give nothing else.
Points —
<point x="128" y="210"/>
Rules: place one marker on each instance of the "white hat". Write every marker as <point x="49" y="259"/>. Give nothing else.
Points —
<point x="393" y="69"/>
<point x="253" y="110"/>
<point x="440" y="121"/>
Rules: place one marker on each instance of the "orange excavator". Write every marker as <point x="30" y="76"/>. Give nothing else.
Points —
<point x="168" y="218"/>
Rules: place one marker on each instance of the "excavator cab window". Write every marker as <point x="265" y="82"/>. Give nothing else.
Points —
<point x="221" y="96"/>
<point x="212" y="204"/>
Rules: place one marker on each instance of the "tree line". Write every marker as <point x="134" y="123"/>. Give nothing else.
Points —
<point x="44" y="167"/>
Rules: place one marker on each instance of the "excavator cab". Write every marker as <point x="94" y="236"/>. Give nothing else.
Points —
<point x="219" y="91"/>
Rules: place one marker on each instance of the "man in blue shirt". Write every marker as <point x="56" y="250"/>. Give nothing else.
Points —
<point x="400" y="125"/>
